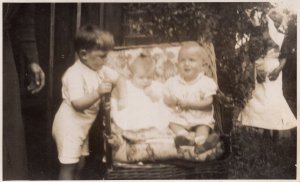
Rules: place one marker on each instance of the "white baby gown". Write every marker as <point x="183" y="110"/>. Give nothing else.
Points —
<point x="140" y="111"/>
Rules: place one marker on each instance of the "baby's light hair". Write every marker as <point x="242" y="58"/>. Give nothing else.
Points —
<point x="192" y="44"/>
<point x="91" y="37"/>
<point x="142" y="63"/>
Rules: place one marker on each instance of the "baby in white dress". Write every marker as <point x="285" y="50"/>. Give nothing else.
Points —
<point x="189" y="96"/>
<point x="143" y="108"/>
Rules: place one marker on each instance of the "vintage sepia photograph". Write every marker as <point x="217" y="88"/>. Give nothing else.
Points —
<point x="149" y="90"/>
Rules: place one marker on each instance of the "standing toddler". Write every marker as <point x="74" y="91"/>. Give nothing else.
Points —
<point x="82" y="86"/>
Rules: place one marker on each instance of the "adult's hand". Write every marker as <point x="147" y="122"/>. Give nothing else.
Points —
<point x="274" y="74"/>
<point x="37" y="82"/>
<point x="261" y="76"/>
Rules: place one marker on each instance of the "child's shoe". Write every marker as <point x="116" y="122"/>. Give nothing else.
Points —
<point x="184" y="140"/>
<point x="211" y="141"/>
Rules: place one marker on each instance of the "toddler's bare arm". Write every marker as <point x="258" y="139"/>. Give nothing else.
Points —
<point x="89" y="99"/>
<point x="203" y="104"/>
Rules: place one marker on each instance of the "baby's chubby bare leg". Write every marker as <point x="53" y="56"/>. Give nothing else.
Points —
<point x="202" y="133"/>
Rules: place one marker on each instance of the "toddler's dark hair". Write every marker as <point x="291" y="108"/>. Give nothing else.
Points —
<point x="91" y="37"/>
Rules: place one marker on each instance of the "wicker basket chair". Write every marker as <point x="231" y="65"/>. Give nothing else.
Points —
<point x="174" y="169"/>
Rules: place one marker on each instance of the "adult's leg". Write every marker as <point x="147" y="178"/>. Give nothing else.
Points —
<point x="14" y="147"/>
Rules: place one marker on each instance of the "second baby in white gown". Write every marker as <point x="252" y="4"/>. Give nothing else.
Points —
<point x="143" y="107"/>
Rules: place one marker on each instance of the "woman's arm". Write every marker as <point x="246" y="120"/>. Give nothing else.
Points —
<point x="274" y="74"/>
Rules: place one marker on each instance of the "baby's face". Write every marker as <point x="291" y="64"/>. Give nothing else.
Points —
<point x="189" y="63"/>
<point x="142" y="79"/>
<point x="280" y="19"/>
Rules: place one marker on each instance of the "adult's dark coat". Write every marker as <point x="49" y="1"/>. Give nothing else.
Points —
<point x="18" y="30"/>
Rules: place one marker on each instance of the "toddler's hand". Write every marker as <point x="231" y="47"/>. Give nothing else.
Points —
<point x="170" y="101"/>
<point x="105" y="87"/>
<point x="182" y="105"/>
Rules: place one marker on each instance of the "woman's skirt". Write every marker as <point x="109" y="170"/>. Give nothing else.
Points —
<point x="268" y="108"/>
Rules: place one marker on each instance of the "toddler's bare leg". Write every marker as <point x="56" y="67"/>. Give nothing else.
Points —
<point x="203" y="140"/>
<point x="183" y="137"/>
<point x="80" y="167"/>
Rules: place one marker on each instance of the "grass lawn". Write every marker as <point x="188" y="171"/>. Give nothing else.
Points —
<point x="256" y="156"/>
